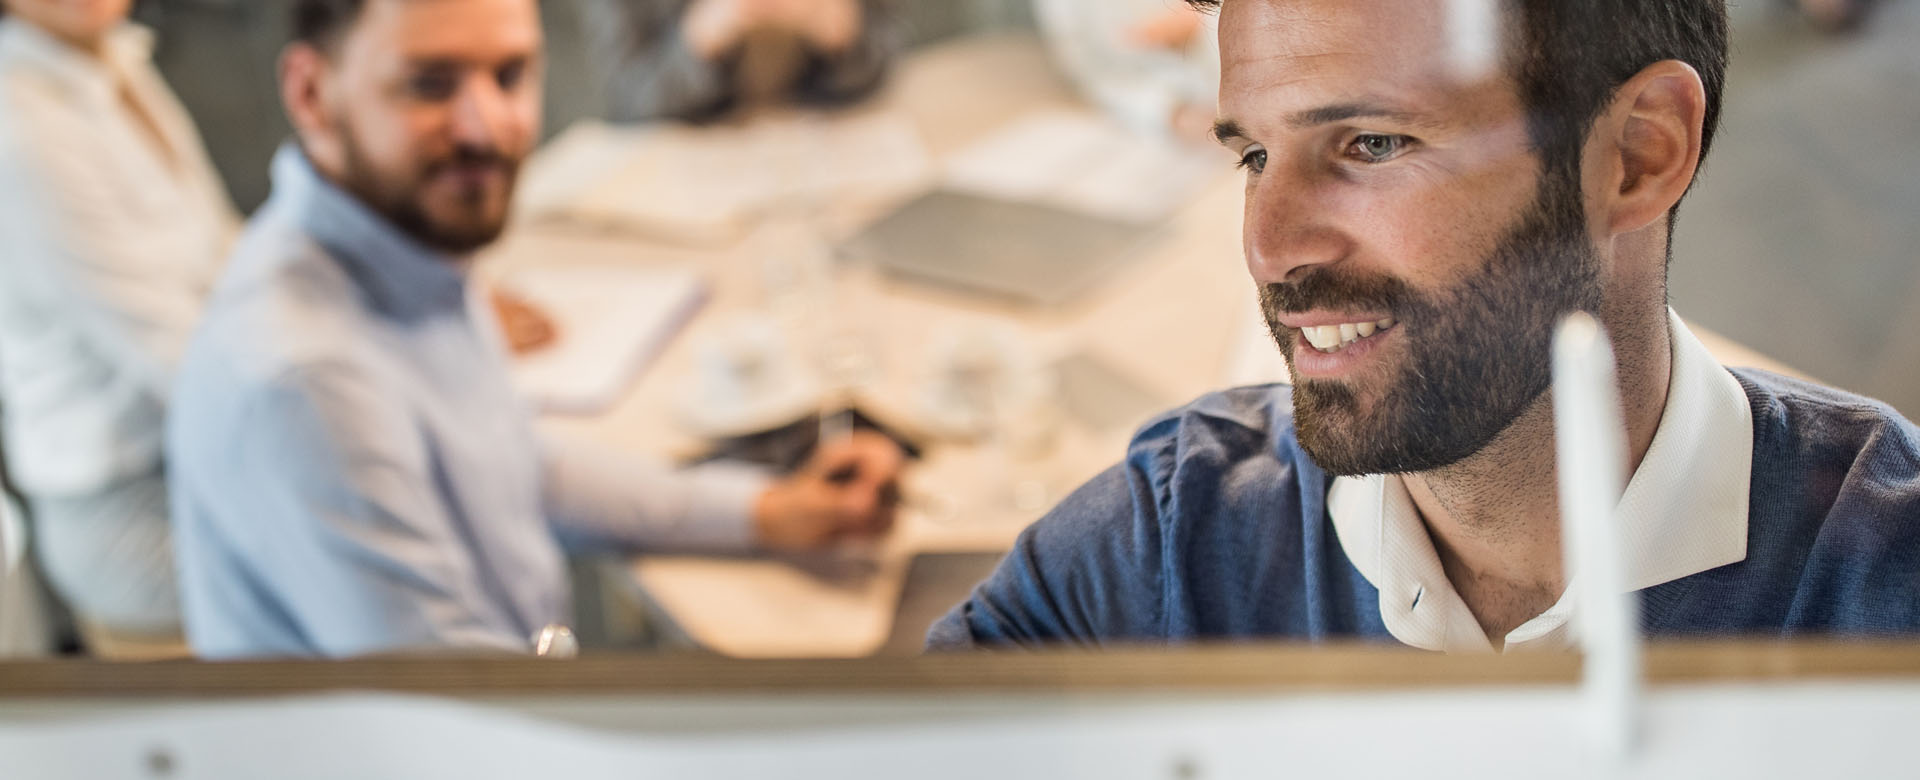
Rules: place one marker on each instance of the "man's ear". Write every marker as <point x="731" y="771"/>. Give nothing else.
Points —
<point x="1650" y="144"/>
<point x="304" y="75"/>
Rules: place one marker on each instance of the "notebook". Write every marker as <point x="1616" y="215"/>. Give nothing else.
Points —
<point x="611" y="322"/>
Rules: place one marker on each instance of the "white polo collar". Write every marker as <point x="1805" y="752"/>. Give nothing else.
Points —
<point x="1684" y="512"/>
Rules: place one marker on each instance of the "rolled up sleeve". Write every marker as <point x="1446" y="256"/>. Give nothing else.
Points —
<point x="599" y="497"/>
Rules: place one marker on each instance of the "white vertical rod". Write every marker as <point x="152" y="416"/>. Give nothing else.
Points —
<point x="1590" y="442"/>
<point x="1473" y="38"/>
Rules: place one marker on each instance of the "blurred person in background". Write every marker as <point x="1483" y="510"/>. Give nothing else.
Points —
<point x="113" y="225"/>
<point x="1414" y="231"/>
<point x="1152" y="64"/>
<point x="700" y="59"/>
<point x="1834" y="15"/>
<point x="353" y="472"/>
<point x="25" y="626"/>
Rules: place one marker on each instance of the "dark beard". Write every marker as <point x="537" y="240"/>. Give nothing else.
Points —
<point x="1478" y="354"/>
<point x="399" y="203"/>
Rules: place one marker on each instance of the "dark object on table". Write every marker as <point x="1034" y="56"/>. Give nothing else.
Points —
<point x="786" y="448"/>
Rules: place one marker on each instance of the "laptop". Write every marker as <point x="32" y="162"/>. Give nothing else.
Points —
<point x="936" y="583"/>
<point x="1029" y="253"/>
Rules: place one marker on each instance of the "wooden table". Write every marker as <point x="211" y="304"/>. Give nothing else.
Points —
<point x="1171" y="321"/>
<point x="1748" y="710"/>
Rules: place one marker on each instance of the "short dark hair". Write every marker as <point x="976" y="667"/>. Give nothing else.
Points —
<point x="1571" y="56"/>
<point x="321" y="23"/>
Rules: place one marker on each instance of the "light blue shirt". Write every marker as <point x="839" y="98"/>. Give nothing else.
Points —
<point x="352" y="472"/>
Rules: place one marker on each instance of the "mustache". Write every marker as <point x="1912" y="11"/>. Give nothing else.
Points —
<point x="473" y="157"/>
<point x="1327" y="288"/>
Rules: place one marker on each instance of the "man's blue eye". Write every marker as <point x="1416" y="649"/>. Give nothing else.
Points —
<point x="1375" y="148"/>
<point x="1254" y="159"/>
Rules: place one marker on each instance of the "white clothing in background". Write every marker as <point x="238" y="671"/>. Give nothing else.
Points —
<point x="1140" y="86"/>
<point x="24" y="630"/>
<point x="109" y="554"/>
<point x="108" y="247"/>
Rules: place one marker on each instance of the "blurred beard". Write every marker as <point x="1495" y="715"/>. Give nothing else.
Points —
<point x="402" y="202"/>
<point x="1478" y="354"/>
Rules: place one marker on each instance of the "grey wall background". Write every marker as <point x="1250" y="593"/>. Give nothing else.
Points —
<point x="1801" y="240"/>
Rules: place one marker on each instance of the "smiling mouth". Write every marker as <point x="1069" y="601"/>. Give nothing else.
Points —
<point x="1333" y="338"/>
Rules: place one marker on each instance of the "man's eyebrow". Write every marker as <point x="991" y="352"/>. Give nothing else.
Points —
<point x="1341" y="112"/>
<point x="1226" y="131"/>
<point x="456" y="62"/>
<point x="436" y="62"/>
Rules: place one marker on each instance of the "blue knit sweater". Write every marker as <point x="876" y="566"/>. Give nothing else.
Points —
<point x="1215" y="527"/>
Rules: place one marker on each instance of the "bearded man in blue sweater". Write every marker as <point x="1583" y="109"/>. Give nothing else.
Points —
<point x="1422" y="204"/>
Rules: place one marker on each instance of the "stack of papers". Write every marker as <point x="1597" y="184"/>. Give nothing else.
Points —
<point x="1087" y="163"/>
<point x="707" y="184"/>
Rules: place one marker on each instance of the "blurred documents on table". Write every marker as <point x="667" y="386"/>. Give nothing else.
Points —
<point x="1255" y="359"/>
<point x="1031" y="253"/>
<point x="1085" y="162"/>
<point x="612" y="321"/>
<point x="707" y="184"/>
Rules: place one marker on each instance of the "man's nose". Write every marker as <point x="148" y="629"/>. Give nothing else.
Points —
<point x="1288" y="229"/>
<point x="482" y="114"/>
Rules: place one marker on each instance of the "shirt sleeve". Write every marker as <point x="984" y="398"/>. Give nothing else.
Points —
<point x="841" y="77"/>
<point x="60" y="213"/>
<point x="1085" y="574"/>
<point x="599" y="497"/>
<point x="650" y="71"/>
<point x="333" y="506"/>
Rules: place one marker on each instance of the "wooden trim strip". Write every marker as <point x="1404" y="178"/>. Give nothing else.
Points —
<point x="1219" y="669"/>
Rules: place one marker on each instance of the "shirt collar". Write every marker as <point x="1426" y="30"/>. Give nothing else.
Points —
<point x="96" y="78"/>
<point x="403" y="278"/>
<point x="1683" y="512"/>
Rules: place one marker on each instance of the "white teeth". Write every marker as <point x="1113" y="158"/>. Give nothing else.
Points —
<point x="1322" y="337"/>
<point x="1333" y="338"/>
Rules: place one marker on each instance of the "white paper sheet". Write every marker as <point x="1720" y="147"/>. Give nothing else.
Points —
<point x="1087" y="163"/>
<point x="611" y="321"/>
<point x="707" y="183"/>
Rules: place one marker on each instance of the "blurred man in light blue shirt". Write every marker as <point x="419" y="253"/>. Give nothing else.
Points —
<point x="351" y="471"/>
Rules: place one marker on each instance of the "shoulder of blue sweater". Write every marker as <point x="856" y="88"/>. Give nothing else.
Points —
<point x="1827" y="457"/>
<point x="1218" y="431"/>
<point x="1258" y="409"/>
<point x="1801" y="405"/>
